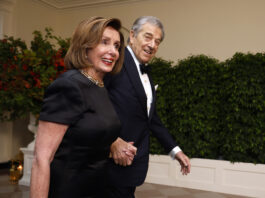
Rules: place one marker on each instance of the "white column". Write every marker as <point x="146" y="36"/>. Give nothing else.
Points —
<point x="29" y="152"/>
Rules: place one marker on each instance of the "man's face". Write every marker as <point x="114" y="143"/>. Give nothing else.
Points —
<point x="145" y="44"/>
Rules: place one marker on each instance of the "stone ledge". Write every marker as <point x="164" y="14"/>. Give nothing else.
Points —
<point x="244" y="179"/>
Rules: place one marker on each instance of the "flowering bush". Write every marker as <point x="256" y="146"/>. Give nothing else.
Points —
<point x="26" y="73"/>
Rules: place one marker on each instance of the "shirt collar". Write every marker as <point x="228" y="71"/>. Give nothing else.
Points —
<point x="137" y="63"/>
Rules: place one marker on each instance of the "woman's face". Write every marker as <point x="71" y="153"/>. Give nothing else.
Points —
<point x="104" y="56"/>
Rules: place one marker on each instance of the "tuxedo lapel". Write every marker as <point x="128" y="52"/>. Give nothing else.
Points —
<point x="135" y="78"/>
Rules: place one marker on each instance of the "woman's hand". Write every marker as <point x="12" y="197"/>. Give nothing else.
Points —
<point x="122" y="152"/>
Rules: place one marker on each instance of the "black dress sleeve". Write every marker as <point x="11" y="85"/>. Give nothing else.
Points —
<point x="63" y="102"/>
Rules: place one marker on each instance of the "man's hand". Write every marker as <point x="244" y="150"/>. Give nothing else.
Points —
<point x="122" y="152"/>
<point x="184" y="162"/>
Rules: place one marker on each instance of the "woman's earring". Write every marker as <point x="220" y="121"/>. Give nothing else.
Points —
<point x="86" y="57"/>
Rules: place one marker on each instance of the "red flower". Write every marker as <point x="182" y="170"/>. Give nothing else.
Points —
<point x="37" y="83"/>
<point x="26" y="84"/>
<point x="58" y="53"/>
<point x="28" y="71"/>
<point x="25" y="67"/>
<point x="61" y="62"/>
<point x="5" y="66"/>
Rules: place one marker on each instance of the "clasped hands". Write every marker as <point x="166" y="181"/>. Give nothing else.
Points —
<point x="122" y="152"/>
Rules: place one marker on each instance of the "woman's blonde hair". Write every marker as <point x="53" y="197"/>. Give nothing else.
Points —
<point x="88" y="35"/>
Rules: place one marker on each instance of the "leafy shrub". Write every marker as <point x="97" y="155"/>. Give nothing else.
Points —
<point x="243" y="131"/>
<point x="26" y="73"/>
<point x="213" y="109"/>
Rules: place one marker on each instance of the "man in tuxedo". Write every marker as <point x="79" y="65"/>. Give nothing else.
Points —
<point x="133" y="96"/>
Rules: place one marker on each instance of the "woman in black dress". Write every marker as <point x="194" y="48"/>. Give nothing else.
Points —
<point x="77" y="122"/>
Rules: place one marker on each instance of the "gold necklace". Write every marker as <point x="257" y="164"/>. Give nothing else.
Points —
<point x="100" y="84"/>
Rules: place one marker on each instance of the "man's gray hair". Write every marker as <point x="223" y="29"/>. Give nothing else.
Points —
<point x="139" y="22"/>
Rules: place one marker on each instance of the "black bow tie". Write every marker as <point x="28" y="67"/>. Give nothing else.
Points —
<point x="144" y="69"/>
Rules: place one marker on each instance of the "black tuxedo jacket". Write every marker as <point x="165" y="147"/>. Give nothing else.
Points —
<point x="129" y="99"/>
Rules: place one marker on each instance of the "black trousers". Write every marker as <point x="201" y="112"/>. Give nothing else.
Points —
<point x="120" y="192"/>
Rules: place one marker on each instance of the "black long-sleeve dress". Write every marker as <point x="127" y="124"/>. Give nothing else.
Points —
<point x="79" y="166"/>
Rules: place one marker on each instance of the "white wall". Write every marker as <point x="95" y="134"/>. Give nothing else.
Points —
<point x="13" y="136"/>
<point x="6" y="17"/>
<point x="218" y="28"/>
<point x="6" y="129"/>
<point x="221" y="176"/>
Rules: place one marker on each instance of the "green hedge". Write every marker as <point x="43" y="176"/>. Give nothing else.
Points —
<point x="213" y="109"/>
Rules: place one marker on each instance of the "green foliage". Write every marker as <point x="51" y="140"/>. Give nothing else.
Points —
<point x="160" y="75"/>
<point x="213" y="109"/>
<point x="26" y="73"/>
<point x="197" y="83"/>
<point x="243" y="131"/>
<point x="12" y="92"/>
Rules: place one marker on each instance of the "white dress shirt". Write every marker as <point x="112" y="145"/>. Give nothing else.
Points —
<point x="148" y="91"/>
<point x="145" y="81"/>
